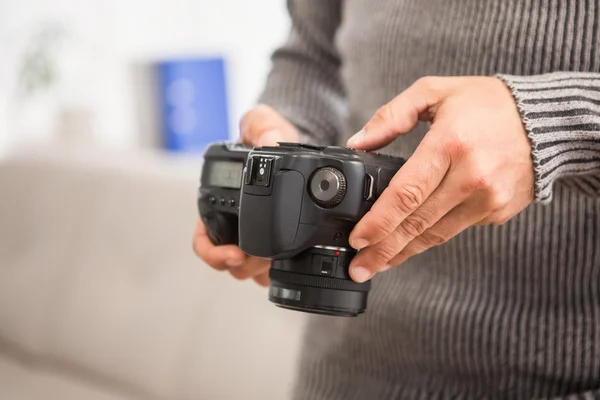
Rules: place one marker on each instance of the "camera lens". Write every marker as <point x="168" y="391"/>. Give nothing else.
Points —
<point x="317" y="281"/>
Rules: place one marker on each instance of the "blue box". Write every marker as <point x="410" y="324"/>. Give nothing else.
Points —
<point x="194" y="103"/>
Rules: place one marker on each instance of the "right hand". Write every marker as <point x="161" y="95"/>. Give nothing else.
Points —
<point x="261" y="126"/>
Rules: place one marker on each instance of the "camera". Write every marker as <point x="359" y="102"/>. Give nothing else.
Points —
<point x="295" y="204"/>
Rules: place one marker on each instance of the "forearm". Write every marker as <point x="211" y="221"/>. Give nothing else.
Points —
<point x="561" y="113"/>
<point x="304" y="83"/>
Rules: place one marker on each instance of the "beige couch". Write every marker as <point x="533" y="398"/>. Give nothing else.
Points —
<point x="101" y="296"/>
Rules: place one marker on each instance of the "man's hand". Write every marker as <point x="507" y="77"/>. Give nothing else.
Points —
<point x="261" y="126"/>
<point x="473" y="167"/>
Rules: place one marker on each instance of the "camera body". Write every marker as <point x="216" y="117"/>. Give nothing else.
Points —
<point x="219" y="192"/>
<point x="298" y="204"/>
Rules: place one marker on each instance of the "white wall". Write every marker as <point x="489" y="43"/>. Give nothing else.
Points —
<point x="106" y="38"/>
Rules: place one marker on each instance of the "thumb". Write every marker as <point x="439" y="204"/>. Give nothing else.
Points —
<point x="263" y="126"/>
<point x="400" y="115"/>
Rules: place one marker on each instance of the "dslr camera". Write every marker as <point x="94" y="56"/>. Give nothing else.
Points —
<point x="295" y="204"/>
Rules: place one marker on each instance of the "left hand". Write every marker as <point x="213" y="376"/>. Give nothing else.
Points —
<point x="473" y="167"/>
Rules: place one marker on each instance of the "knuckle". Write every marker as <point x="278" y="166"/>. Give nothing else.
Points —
<point x="496" y="201"/>
<point x="386" y="250"/>
<point x="482" y="180"/>
<point x="433" y="238"/>
<point x="427" y="82"/>
<point x="383" y="253"/>
<point x="383" y="114"/>
<point x="476" y="183"/>
<point x="456" y="146"/>
<point x="414" y="225"/>
<point x="408" y="197"/>
<point x="479" y="178"/>
<point x="385" y="223"/>
<point x="431" y="84"/>
<point x="239" y="274"/>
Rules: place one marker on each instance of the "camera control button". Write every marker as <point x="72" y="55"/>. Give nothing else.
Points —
<point x="222" y="201"/>
<point x="323" y="265"/>
<point x="327" y="187"/>
<point x="327" y="266"/>
<point x="369" y="188"/>
<point x="212" y="200"/>
<point x="231" y="202"/>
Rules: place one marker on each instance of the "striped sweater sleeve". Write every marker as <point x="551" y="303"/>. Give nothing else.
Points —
<point x="304" y="84"/>
<point x="561" y="113"/>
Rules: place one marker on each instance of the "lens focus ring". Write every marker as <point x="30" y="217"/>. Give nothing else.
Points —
<point x="285" y="277"/>
<point x="327" y="186"/>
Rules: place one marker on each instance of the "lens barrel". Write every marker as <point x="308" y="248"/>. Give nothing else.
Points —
<point x="317" y="281"/>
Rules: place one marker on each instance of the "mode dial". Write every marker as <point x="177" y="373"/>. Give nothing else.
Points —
<point x="327" y="186"/>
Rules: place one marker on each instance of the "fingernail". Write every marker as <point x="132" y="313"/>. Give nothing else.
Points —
<point x="360" y="274"/>
<point x="357" y="139"/>
<point x="359" y="243"/>
<point x="269" y="138"/>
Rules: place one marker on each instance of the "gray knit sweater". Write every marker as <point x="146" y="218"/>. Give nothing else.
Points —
<point x="499" y="312"/>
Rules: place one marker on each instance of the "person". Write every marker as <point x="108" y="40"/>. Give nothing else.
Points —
<point x="490" y="233"/>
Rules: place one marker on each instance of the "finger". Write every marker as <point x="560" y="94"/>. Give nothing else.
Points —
<point x="263" y="126"/>
<point x="401" y="114"/>
<point x="252" y="267"/>
<point x="262" y="279"/>
<point x="460" y="218"/>
<point x="445" y="198"/>
<point x="219" y="257"/>
<point x="408" y="190"/>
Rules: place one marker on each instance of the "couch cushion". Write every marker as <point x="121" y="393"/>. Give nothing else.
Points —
<point x="26" y="382"/>
<point x="99" y="273"/>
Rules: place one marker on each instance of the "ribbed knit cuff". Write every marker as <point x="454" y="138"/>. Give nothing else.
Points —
<point x="561" y="113"/>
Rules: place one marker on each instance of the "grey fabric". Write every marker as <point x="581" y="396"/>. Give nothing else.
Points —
<point x="102" y="297"/>
<point x="499" y="312"/>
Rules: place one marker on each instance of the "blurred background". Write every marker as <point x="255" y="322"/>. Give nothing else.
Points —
<point x="87" y="65"/>
<point x="105" y="109"/>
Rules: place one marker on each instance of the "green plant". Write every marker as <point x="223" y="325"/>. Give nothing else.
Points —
<point x="39" y="71"/>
